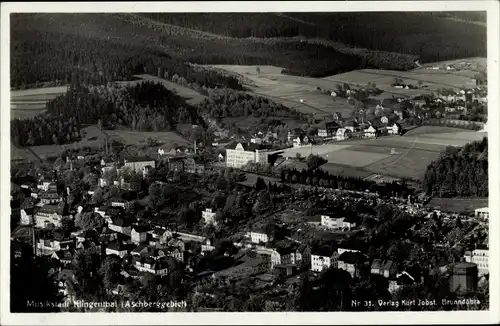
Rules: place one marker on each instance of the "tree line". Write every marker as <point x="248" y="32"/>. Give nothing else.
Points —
<point x="324" y="179"/>
<point x="146" y="106"/>
<point x="459" y="172"/>
<point x="230" y="103"/>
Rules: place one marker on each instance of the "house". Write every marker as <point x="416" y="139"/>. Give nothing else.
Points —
<point x="323" y="258"/>
<point x="340" y="251"/>
<point x="256" y="140"/>
<point x="120" y="202"/>
<point x="177" y="243"/>
<point x="85" y="235"/>
<point x="370" y="132"/>
<point x="294" y="133"/>
<point x="176" y="253"/>
<point x="245" y="153"/>
<point x="90" y="244"/>
<point x="150" y="265"/>
<point x="331" y="222"/>
<point x="386" y="268"/>
<point x="49" y="246"/>
<point x="51" y="215"/>
<point x="402" y="279"/>
<point x="176" y="164"/>
<point x="284" y="256"/>
<point x="208" y="216"/>
<point x="49" y="197"/>
<point x="139" y="234"/>
<point x="352" y="262"/>
<point x="194" y="165"/>
<point x="353" y="126"/>
<point x="182" y="150"/>
<point x="63" y="256"/>
<point x="140" y="250"/>
<point x="207" y="245"/>
<point x="480" y="257"/>
<point x="258" y="236"/>
<point x="101" y="210"/>
<point x="301" y="140"/>
<point x="482" y="213"/>
<point x="343" y="134"/>
<point x="137" y="164"/>
<point x="120" y="225"/>
<point x="395" y="129"/>
<point x="328" y="129"/>
<point x="117" y="248"/>
<point x="107" y="235"/>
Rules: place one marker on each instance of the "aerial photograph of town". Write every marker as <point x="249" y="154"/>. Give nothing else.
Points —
<point x="248" y="162"/>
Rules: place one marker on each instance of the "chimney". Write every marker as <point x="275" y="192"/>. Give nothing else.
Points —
<point x="195" y="147"/>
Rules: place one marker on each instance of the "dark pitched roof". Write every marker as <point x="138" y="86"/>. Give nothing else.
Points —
<point x="140" y="228"/>
<point x="323" y="251"/>
<point x="138" y="159"/>
<point x="120" y="221"/>
<point x="285" y="250"/>
<point x="350" y="257"/>
<point x="248" y="146"/>
<point x="50" y="209"/>
<point x="117" y="245"/>
<point x="382" y="264"/>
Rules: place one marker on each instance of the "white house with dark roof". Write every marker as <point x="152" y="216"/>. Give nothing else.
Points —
<point x="323" y="258"/>
<point x="386" y="268"/>
<point x="138" y="164"/>
<point x="117" y="248"/>
<point x="139" y="234"/>
<point x="258" y="236"/>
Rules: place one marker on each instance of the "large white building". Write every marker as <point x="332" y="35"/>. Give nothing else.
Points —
<point x="480" y="257"/>
<point x="245" y="153"/>
<point x="336" y="222"/>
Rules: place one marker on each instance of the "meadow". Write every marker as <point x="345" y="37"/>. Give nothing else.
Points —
<point x="27" y="103"/>
<point x="458" y="204"/>
<point x="392" y="156"/>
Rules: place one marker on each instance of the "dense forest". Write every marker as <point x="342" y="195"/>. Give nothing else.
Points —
<point x="41" y="54"/>
<point x="459" y="172"/>
<point x="229" y="103"/>
<point x="144" y="107"/>
<point x="399" y="32"/>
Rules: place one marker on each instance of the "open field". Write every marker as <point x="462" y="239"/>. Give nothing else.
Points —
<point x="166" y="138"/>
<point x="434" y="79"/>
<point x="191" y="96"/>
<point x="289" y="90"/>
<point x="245" y="269"/>
<point x="94" y="138"/>
<point x="457" y="205"/>
<point x="28" y="103"/>
<point x="395" y="156"/>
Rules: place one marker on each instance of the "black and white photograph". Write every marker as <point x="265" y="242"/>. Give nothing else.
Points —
<point x="285" y="160"/>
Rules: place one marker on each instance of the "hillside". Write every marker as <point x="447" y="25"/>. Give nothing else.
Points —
<point x="459" y="172"/>
<point x="104" y="47"/>
<point x="400" y="32"/>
